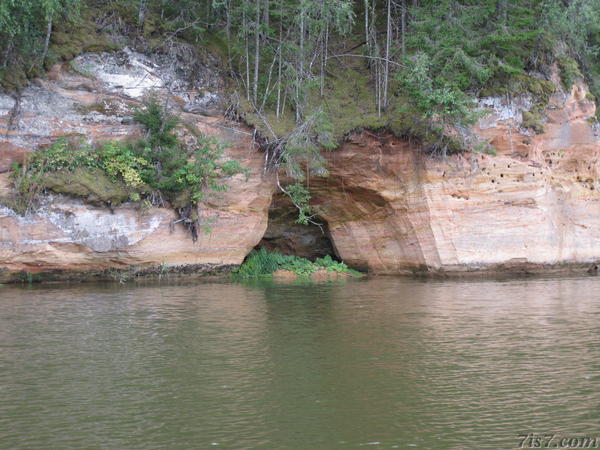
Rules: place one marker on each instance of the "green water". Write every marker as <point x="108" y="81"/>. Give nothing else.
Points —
<point x="383" y="363"/>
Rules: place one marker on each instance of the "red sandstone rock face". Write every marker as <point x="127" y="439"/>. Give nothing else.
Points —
<point x="66" y="234"/>
<point x="566" y="124"/>
<point x="392" y="209"/>
<point x="69" y="235"/>
<point x="10" y="153"/>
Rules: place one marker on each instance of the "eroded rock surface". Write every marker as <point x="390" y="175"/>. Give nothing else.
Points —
<point x="94" y="97"/>
<point x="534" y="206"/>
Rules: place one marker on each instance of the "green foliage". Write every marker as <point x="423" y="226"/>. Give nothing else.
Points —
<point x="159" y="125"/>
<point x="458" y="50"/>
<point x="533" y="120"/>
<point x="106" y="174"/>
<point x="23" y="30"/>
<point x="263" y="263"/>
<point x="301" y="155"/>
<point x="453" y="52"/>
<point x="436" y="103"/>
<point x="471" y="42"/>
<point x="573" y="32"/>
<point x="171" y="168"/>
<point x="120" y="162"/>
<point x="159" y="168"/>
<point x="260" y="263"/>
<point x="300" y="196"/>
<point x="474" y="44"/>
<point x="331" y="265"/>
<point x="569" y="71"/>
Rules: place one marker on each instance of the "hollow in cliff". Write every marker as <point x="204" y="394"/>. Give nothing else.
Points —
<point x="288" y="237"/>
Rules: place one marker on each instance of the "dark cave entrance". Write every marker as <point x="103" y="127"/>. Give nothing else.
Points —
<point x="286" y="236"/>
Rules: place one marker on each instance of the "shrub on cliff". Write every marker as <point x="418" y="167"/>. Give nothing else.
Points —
<point x="159" y="169"/>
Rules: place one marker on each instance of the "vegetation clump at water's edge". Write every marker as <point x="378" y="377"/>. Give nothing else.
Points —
<point x="265" y="264"/>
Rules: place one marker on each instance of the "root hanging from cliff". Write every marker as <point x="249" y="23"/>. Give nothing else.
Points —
<point x="188" y="215"/>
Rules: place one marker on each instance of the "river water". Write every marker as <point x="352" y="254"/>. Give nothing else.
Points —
<point x="384" y="363"/>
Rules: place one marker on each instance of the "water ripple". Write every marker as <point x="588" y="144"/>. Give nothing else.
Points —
<point x="383" y="363"/>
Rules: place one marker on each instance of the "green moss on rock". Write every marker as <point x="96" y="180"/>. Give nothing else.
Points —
<point x="93" y="185"/>
<point x="533" y="120"/>
<point x="569" y="71"/>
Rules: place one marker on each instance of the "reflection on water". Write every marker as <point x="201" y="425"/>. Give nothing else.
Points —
<point x="393" y="363"/>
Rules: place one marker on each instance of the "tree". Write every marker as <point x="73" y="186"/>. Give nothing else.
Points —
<point x="26" y="28"/>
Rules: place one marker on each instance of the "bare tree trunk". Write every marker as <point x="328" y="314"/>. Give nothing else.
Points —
<point x="324" y="59"/>
<point x="247" y="52"/>
<point x="256" y="52"/>
<point x="367" y="40"/>
<point x="323" y="44"/>
<point x="302" y="31"/>
<point x="7" y="52"/>
<point x="403" y="25"/>
<point x="280" y="56"/>
<point x="47" y="41"/>
<point x="142" y="14"/>
<point x="300" y="75"/>
<point x="266" y="18"/>
<point x="378" y="87"/>
<point x="388" y="39"/>
<point x="228" y="33"/>
<point x="501" y="10"/>
<point x="375" y="52"/>
<point x="268" y="88"/>
<point x="228" y="23"/>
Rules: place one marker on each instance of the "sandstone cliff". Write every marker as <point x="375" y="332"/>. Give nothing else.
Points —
<point x="389" y="208"/>
<point x="534" y="206"/>
<point x="94" y="97"/>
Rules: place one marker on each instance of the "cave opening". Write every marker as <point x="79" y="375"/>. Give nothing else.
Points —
<point x="285" y="236"/>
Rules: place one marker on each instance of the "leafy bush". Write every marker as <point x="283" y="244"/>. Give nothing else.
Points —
<point x="263" y="263"/>
<point x="121" y="162"/>
<point x="331" y="265"/>
<point x="172" y="169"/>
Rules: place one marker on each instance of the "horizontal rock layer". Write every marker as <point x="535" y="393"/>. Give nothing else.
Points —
<point x="389" y="207"/>
<point x="66" y="235"/>
<point x="535" y="204"/>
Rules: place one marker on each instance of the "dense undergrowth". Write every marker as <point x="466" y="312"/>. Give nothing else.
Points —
<point x="263" y="263"/>
<point x="156" y="171"/>
<point x="442" y="57"/>
<point x="441" y="54"/>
